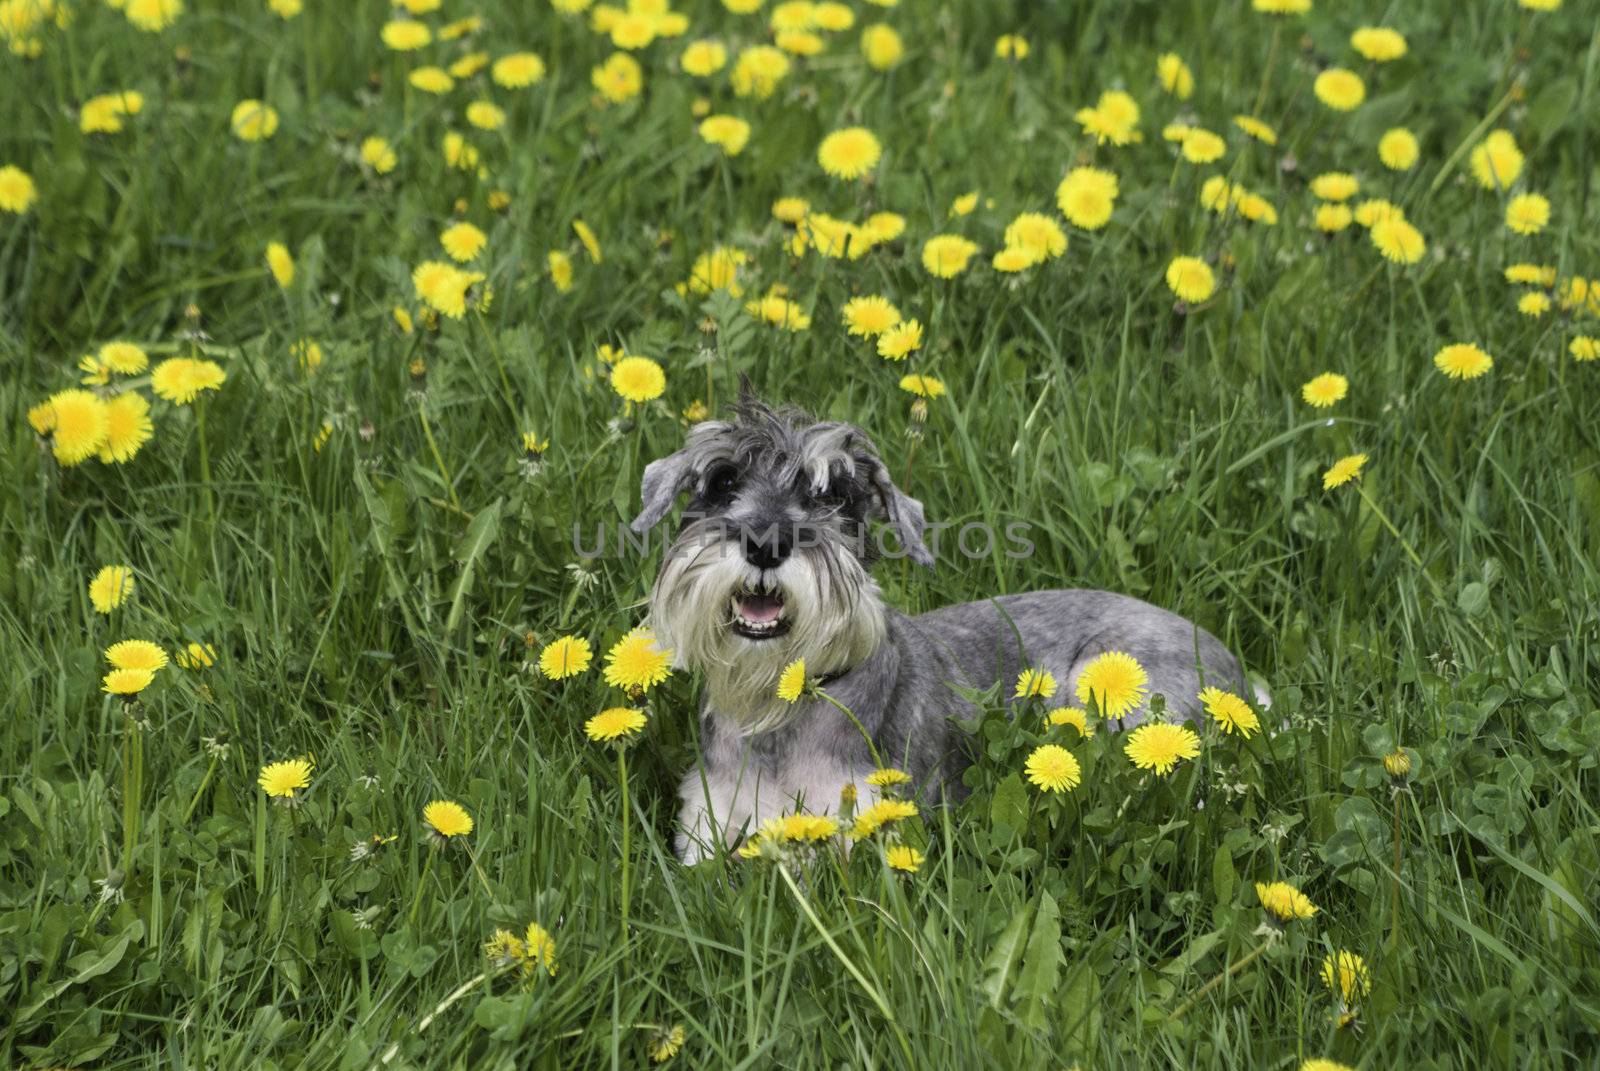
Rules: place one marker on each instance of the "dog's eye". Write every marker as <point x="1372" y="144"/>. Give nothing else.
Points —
<point x="721" y="481"/>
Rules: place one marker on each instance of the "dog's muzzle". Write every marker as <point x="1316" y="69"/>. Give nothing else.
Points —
<point x="759" y="613"/>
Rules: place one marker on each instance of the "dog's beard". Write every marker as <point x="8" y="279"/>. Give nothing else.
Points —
<point x="831" y="616"/>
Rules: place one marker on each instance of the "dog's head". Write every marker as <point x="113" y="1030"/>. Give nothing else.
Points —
<point x="770" y="562"/>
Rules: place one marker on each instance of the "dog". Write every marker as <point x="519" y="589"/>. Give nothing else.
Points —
<point x="771" y="563"/>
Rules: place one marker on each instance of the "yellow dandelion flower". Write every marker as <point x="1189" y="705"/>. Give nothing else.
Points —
<point x="539" y="947"/>
<point x="1528" y="213"/>
<point x="79" y="425"/>
<point x="1257" y="129"/>
<point x="790" y="209"/>
<point x="126" y="682"/>
<point x="281" y="780"/>
<point x="881" y="46"/>
<point x="869" y="316"/>
<point x="1531" y="274"/>
<point x="104" y="114"/>
<point x="560" y="267"/>
<point x="701" y="59"/>
<point x="1160" y="745"/>
<point x="1398" y="240"/>
<point x="1036" y="233"/>
<point x="1076" y="717"/>
<point x="615" y="724"/>
<point x="1052" y="768"/>
<point x="1496" y="161"/>
<point x="378" y="154"/>
<point x="888" y="777"/>
<point x="758" y="70"/>
<point x="405" y="35"/>
<point x="1585" y="348"/>
<point x="947" y="255"/>
<point x="136" y="654"/>
<point x="463" y="241"/>
<point x="591" y="244"/>
<point x="885" y="812"/>
<point x="517" y="70"/>
<point x="1230" y="712"/>
<point x="1398" y="149"/>
<point x="128" y="427"/>
<point x="1534" y="304"/>
<point x="1281" y="7"/>
<point x="884" y="226"/>
<point x="1114" y="682"/>
<point x="1462" y="360"/>
<point x="904" y="858"/>
<point x="636" y="662"/>
<point x="1201" y="146"/>
<point x="1344" y="470"/>
<point x="728" y="132"/>
<point x="1397" y="764"/>
<point x="619" y="79"/>
<point x="1324" y="390"/>
<point x="923" y="386"/>
<point x="447" y="819"/>
<point x="666" y="1043"/>
<point x="152" y="16"/>
<point x="1174" y="75"/>
<point x="1345" y="975"/>
<point x="1035" y="682"/>
<point x="485" y="115"/>
<point x="253" y="120"/>
<point x="1378" y="43"/>
<point x="849" y="153"/>
<point x="1191" y="279"/>
<point x="1283" y="902"/>
<point x="638" y="379"/>
<point x="900" y="340"/>
<point x="792" y="682"/>
<point x="111" y="587"/>
<point x="1012" y="259"/>
<point x="1335" y="186"/>
<point x="17" y="189"/>
<point x="435" y="80"/>
<point x="1340" y="89"/>
<point x="1330" y="219"/>
<point x="197" y="656"/>
<point x="565" y="657"/>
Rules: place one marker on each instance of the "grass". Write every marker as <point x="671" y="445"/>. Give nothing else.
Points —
<point x="377" y="599"/>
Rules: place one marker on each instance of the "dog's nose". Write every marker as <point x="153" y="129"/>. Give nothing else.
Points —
<point x="767" y="548"/>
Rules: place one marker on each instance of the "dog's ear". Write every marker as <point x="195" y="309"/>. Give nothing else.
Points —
<point x="904" y="513"/>
<point x="664" y="479"/>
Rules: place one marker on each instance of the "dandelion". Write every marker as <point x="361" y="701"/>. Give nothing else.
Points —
<point x="615" y="724"/>
<point x="1319" y="1063"/>
<point x="849" y="153"/>
<point x="1462" y="360"/>
<point x="1283" y="902"/>
<point x="1035" y="682"/>
<point x="701" y="59"/>
<point x="947" y="255"/>
<point x="253" y="120"/>
<point x="899" y="341"/>
<point x="1344" y="470"/>
<point x="1052" y="768"/>
<point x="619" y="79"/>
<point x="884" y="227"/>
<point x="378" y="154"/>
<point x="1257" y="129"/>
<point x="1335" y="186"/>
<point x="1087" y="196"/>
<point x="1202" y="146"/>
<point x="1230" y="712"/>
<point x="1160" y="745"/>
<point x="1496" y="161"/>
<point x="1281" y="7"/>
<point x="1376" y="210"/>
<point x="869" y="316"/>
<point x="17" y="189"/>
<point x="1012" y="260"/>
<point x="1345" y="975"/>
<point x="1584" y="348"/>
<point x="78" y="425"/>
<point x="1036" y="233"/>
<point x="1010" y="46"/>
<point x="888" y="777"/>
<point x="1174" y="75"/>
<point x="923" y="386"/>
<point x="885" y="812"/>
<point x="1534" y="304"/>
<point x="405" y="35"/>
<point x="281" y="780"/>
<point x="1257" y="209"/>
<point x="1398" y="149"/>
<point x="881" y="46"/>
<point x="666" y="1043"/>
<point x="104" y="114"/>
<point x="636" y="663"/>
<point x="447" y="819"/>
<point x="1114" y="119"/>
<point x="463" y="241"/>
<point x="963" y="205"/>
<point x="128" y="427"/>
<point x="435" y="80"/>
<point x="728" y="132"/>
<point x="1331" y="219"/>
<point x="1378" y="43"/>
<point x="758" y="70"/>
<point x="591" y="243"/>
<point x="1528" y="213"/>
<point x="1076" y="717"/>
<point x="565" y="657"/>
<point x="1324" y="390"/>
<point x="127" y="683"/>
<point x="638" y="379"/>
<point x="153" y="16"/>
<point x="136" y="654"/>
<point x="904" y="858"/>
<point x="1340" y="89"/>
<point x="197" y="656"/>
<point x="1191" y="279"/>
<point x="1398" y="240"/>
<point x="111" y="587"/>
<point x="1114" y="681"/>
<point x="792" y="682"/>
<point x="559" y="266"/>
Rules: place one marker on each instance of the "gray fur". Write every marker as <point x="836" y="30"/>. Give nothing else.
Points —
<point x="899" y="675"/>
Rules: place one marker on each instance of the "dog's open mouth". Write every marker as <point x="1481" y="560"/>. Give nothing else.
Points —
<point x="759" y="615"/>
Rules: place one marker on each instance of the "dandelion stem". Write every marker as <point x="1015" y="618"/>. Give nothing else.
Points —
<point x="195" y="800"/>
<point x="839" y="953"/>
<point x="622" y="777"/>
<point x="847" y="712"/>
<point x="1387" y="523"/>
<point x="438" y="459"/>
<point x="1266" y="72"/>
<point x="1233" y="969"/>
<point x="427" y="868"/>
<point x="1394" y="903"/>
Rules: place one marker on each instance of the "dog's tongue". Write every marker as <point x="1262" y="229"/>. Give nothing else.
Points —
<point x="759" y="609"/>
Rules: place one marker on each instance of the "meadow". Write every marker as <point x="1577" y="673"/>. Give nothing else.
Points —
<point x="323" y="324"/>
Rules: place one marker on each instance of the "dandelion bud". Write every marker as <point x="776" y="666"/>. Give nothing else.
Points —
<point x="919" y="411"/>
<point x="1398" y="766"/>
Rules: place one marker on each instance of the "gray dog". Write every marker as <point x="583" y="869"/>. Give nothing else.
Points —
<point x="770" y="565"/>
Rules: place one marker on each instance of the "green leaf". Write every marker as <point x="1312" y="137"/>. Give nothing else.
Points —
<point x="1009" y="808"/>
<point x="1041" y="965"/>
<point x="1002" y="958"/>
<point x="480" y="534"/>
<point x="1224" y="878"/>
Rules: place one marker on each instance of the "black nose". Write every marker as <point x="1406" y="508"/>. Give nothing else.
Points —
<point x="766" y="548"/>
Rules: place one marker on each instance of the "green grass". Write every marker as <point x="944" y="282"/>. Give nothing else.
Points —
<point x="375" y="604"/>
